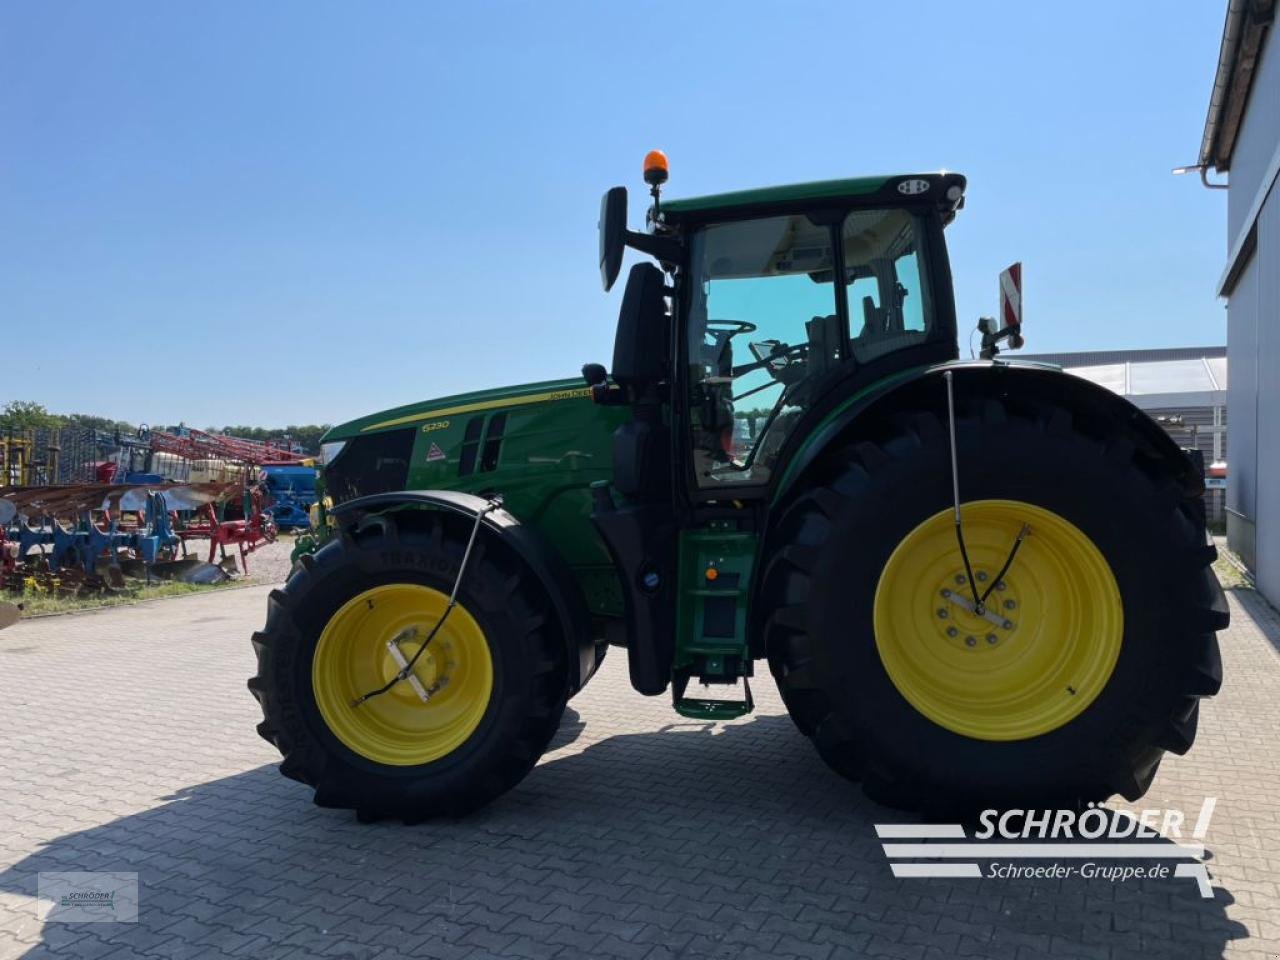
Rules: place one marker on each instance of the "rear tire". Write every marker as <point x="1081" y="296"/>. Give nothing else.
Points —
<point x="526" y="690"/>
<point x="829" y="552"/>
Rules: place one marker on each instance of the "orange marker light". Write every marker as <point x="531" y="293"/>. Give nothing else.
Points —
<point x="655" y="168"/>
<point x="712" y="573"/>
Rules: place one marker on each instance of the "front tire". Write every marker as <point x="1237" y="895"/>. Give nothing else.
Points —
<point x="1111" y="597"/>
<point x="496" y="675"/>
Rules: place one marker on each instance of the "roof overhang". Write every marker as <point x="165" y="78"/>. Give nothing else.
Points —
<point x="943" y="190"/>
<point x="1243" y="36"/>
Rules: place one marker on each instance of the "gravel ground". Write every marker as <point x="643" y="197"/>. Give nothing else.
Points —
<point x="270" y="562"/>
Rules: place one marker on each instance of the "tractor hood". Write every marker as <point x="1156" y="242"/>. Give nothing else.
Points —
<point x="458" y="404"/>
<point x="533" y="436"/>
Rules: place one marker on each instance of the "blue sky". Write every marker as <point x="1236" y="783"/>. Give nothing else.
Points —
<point x="304" y="212"/>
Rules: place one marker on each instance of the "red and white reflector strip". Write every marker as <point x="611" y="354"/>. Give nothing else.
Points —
<point x="1011" y="296"/>
<point x="1011" y="303"/>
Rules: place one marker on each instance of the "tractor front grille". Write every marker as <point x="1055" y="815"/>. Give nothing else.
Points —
<point x="376" y="463"/>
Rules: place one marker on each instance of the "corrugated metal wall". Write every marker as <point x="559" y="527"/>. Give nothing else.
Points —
<point x="1266" y="261"/>
<point x="1242" y="408"/>
<point x="1253" y="336"/>
<point x="1196" y="432"/>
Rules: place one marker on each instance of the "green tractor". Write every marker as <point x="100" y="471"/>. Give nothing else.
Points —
<point x="976" y="583"/>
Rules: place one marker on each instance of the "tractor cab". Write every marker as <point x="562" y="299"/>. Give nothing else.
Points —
<point x="770" y="304"/>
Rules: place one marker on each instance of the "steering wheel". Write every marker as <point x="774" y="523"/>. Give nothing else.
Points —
<point x="717" y="353"/>
<point x="731" y="327"/>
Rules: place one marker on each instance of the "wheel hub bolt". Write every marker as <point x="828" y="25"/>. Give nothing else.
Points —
<point x="1009" y="604"/>
<point x="991" y="638"/>
<point x="970" y="641"/>
<point x="942" y="613"/>
<point x="952" y="632"/>
<point x="960" y="578"/>
<point x="982" y="577"/>
<point x="999" y="584"/>
<point x="1008" y="624"/>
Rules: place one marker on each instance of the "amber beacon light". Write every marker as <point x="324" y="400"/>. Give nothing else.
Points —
<point x="655" y="168"/>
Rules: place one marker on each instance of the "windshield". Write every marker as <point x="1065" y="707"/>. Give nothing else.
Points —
<point x="765" y="324"/>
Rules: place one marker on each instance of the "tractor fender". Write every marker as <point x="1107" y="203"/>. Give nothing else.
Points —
<point x="1094" y="409"/>
<point x="924" y="389"/>
<point x="541" y="559"/>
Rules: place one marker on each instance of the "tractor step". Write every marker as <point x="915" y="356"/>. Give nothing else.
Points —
<point x="702" y="708"/>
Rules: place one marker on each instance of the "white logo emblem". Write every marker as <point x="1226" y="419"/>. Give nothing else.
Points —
<point x="912" y="187"/>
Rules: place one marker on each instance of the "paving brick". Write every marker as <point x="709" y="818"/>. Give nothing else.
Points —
<point x="639" y="835"/>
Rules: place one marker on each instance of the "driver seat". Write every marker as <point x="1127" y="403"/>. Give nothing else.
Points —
<point x="826" y="344"/>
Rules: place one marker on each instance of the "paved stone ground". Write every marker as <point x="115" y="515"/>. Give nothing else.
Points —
<point x="126" y="743"/>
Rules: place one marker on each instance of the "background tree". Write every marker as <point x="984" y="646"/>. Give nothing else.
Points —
<point x="19" y="416"/>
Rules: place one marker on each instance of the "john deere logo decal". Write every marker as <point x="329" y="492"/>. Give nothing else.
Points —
<point x="913" y="187"/>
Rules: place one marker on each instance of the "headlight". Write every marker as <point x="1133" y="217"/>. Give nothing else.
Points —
<point x="329" y="451"/>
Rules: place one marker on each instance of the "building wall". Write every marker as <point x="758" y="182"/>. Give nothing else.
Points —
<point x="1253" y="338"/>
<point x="1094" y="358"/>
<point x="1242" y="414"/>
<point x="1259" y="134"/>
<point x="1196" y="432"/>
<point x="1267" y="262"/>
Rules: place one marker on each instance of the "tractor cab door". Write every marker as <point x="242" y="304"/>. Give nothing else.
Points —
<point x="768" y="326"/>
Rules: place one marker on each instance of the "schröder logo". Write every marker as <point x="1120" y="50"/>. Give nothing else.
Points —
<point x="1075" y="841"/>
<point x="87" y="897"/>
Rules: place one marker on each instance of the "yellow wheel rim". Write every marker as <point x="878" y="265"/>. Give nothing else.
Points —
<point x="1051" y="653"/>
<point x="353" y="657"/>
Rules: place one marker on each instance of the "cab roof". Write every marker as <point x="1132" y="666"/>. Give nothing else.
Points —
<point x="942" y="188"/>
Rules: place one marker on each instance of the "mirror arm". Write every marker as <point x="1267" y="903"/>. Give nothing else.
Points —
<point x="609" y="394"/>
<point x="663" y="249"/>
<point x="991" y="338"/>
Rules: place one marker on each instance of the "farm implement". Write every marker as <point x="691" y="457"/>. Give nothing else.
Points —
<point x="155" y="495"/>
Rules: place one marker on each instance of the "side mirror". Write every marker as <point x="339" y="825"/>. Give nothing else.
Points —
<point x="642" y="349"/>
<point x="613" y="234"/>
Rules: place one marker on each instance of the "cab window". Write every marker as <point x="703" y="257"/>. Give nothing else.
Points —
<point x="887" y="300"/>
<point x="762" y="319"/>
<point x="764" y="325"/>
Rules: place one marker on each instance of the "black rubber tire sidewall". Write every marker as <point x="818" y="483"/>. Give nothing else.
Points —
<point x="1070" y="476"/>
<point x="525" y="702"/>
